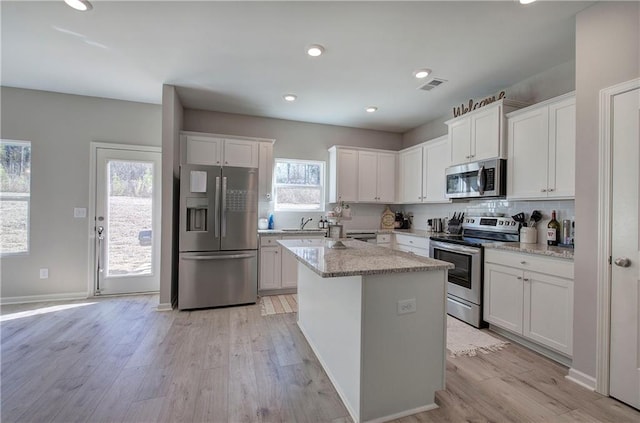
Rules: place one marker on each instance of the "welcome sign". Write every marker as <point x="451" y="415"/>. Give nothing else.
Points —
<point x="473" y="105"/>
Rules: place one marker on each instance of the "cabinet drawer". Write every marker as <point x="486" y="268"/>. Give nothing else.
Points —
<point x="412" y="241"/>
<point x="383" y="238"/>
<point x="547" y="265"/>
<point x="267" y="241"/>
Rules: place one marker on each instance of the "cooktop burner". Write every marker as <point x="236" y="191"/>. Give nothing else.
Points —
<point x="482" y="230"/>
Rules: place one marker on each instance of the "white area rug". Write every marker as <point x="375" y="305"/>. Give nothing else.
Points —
<point x="277" y="304"/>
<point x="464" y="339"/>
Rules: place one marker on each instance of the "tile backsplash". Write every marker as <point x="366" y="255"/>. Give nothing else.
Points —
<point x="367" y="216"/>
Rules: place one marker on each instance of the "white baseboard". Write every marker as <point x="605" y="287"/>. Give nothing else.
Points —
<point x="164" y="307"/>
<point x="582" y="379"/>
<point x="43" y="298"/>
<point x="404" y="414"/>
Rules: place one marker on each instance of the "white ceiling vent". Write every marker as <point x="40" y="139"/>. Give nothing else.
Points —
<point x="433" y="83"/>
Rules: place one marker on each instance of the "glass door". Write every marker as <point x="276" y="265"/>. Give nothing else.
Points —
<point x="127" y="221"/>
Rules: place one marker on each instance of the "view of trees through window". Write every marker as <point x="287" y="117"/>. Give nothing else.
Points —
<point x="15" y="191"/>
<point x="299" y="185"/>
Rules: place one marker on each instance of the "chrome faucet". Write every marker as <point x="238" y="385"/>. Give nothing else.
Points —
<point x="304" y="222"/>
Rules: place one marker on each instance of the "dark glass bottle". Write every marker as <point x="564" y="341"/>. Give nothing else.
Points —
<point x="553" y="230"/>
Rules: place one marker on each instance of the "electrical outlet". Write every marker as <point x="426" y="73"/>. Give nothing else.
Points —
<point x="44" y="273"/>
<point x="79" y="212"/>
<point x="407" y="306"/>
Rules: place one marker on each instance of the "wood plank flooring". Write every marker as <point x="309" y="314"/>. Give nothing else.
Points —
<point x="119" y="360"/>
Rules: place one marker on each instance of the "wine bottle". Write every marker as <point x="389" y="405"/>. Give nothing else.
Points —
<point x="553" y="230"/>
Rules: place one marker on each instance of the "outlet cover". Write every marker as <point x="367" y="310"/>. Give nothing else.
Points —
<point x="44" y="273"/>
<point x="407" y="306"/>
<point x="80" y="212"/>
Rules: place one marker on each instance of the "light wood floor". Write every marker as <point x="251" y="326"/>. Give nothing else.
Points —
<point x="117" y="359"/>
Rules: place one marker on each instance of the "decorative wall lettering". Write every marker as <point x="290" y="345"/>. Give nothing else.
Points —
<point x="462" y="109"/>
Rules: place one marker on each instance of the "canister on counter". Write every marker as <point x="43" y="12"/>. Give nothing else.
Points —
<point x="566" y="231"/>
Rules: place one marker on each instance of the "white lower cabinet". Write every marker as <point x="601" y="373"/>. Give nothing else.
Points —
<point x="278" y="267"/>
<point x="411" y="244"/>
<point x="531" y="296"/>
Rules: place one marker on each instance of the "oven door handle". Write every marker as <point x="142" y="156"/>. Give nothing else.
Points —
<point x="454" y="247"/>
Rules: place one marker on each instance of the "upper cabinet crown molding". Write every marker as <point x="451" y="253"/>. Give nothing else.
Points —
<point x="542" y="140"/>
<point x="480" y="134"/>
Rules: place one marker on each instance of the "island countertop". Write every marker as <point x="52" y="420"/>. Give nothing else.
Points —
<point x="359" y="258"/>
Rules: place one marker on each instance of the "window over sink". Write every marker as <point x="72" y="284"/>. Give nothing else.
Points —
<point x="299" y="185"/>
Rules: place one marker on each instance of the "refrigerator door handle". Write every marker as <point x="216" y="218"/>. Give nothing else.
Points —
<point x="224" y="207"/>
<point x="220" y="257"/>
<point x="216" y="212"/>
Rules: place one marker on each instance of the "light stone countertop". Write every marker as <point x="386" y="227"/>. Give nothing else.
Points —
<point x="539" y="249"/>
<point x="267" y="232"/>
<point x="359" y="258"/>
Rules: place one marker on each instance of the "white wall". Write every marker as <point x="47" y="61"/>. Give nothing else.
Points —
<point x="607" y="53"/>
<point x="61" y="128"/>
<point x="545" y="85"/>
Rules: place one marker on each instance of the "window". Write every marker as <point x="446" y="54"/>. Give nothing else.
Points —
<point x="299" y="185"/>
<point x="15" y="196"/>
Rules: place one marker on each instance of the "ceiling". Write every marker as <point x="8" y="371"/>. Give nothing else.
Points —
<point x="242" y="57"/>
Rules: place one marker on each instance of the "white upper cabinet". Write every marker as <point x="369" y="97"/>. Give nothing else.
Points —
<point x="362" y="175"/>
<point x="480" y="134"/>
<point x="265" y="171"/>
<point x="422" y="172"/>
<point x="241" y="153"/>
<point x="343" y="175"/>
<point x="542" y="140"/>
<point x="376" y="177"/>
<point x="212" y="150"/>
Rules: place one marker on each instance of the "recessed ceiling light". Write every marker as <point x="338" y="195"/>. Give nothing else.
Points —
<point x="422" y="73"/>
<point x="81" y="5"/>
<point x="526" y="1"/>
<point x="371" y="109"/>
<point x="315" y="50"/>
<point x="290" y="97"/>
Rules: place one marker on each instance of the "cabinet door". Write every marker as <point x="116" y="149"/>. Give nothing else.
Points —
<point x="289" y="270"/>
<point x="527" y="163"/>
<point x="367" y="176"/>
<point x="460" y="140"/>
<point x="347" y="175"/>
<point x="386" y="177"/>
<point x="436" y="162"/>
<point x="548" y="309"/>
<point x="503" y="297"/>
<point x="562" y="148"/>
<point x="202" y="150"/>
<point x="411" y="176"/>
<point x="241" y="153"/>
<point x="265" y="172"/>
<point x="486" y="133"/>
<point x="270" y="268"/>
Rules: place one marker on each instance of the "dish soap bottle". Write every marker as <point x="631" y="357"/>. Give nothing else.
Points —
<point x="271" y="224"/>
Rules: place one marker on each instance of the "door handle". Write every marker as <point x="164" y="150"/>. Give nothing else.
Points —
<point x="216" y="213"/>
<point x="482" y="180"/>
<point x="223" y="223"/>
<point x="622" y="262"/>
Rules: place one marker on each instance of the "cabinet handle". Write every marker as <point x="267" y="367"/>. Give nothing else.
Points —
<point x="276" y="252"/>
<point x="519" y="277"/>
<point x="550" y="189"/>
<point x="467" y="157"/>
<point x="472" y="156"/>
<point x="526" y="279"/>
<point x="523" y="262"/>
<point x="543" y="190"/>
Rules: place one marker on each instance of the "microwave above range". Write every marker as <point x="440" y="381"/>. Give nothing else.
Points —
<point x="485" y="178"/>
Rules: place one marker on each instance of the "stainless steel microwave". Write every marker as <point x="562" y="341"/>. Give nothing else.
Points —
<point x="485" y="178"/>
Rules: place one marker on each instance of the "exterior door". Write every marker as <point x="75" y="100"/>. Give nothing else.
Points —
<point x="625" y="249"/>
<point x="127" y="221"/>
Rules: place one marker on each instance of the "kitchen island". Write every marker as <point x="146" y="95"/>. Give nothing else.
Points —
<point x="375" y="319"/>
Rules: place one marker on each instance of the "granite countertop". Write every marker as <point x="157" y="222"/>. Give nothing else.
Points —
<point x="359" y="258"/>
<point x="540" y="249"/>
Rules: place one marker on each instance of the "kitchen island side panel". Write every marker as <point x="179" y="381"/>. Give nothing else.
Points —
<point x="329" y="316"/>
<point x="403" y="354"/>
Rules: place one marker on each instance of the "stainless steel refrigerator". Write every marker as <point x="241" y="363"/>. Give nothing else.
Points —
<point x="218" y="259"/>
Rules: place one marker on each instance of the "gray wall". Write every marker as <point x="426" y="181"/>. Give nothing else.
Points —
<point x="172" y="115"/>
<point x="607" y="53"/>
<point x="294" y="140"/>
<point x="61" y="128"/>
<point x="545" y="85"/>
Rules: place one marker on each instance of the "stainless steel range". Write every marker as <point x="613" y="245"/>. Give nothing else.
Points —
<point x="465" y="251"/>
